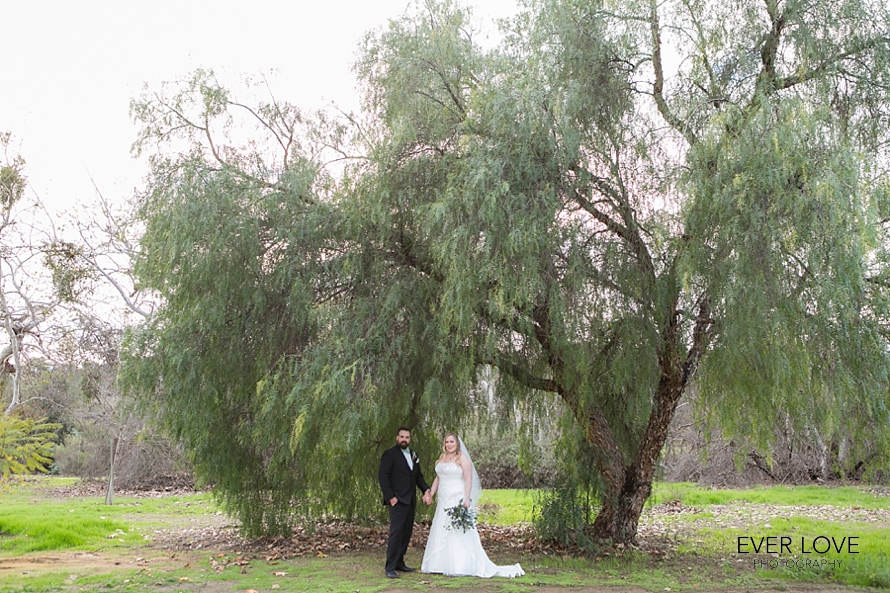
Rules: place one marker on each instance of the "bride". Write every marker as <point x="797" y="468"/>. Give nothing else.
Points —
<point x="450" y="550"/>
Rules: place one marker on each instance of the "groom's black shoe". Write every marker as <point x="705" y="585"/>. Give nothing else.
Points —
<point x="392" y="574"/>
<point x="405" y="568"/>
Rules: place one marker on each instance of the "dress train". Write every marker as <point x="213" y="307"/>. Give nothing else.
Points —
<point x="452" y="551"/>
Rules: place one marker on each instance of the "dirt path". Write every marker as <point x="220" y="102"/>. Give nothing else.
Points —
<point x="56" y="561"/>
<point x="90" y="561"/>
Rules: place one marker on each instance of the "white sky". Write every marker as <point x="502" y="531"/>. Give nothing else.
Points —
<point x="70" y="69"/>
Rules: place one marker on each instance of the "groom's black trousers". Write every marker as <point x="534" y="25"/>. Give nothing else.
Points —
<point x="401" y="525"/>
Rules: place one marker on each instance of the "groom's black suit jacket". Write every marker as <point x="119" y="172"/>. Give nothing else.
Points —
<point x="397" y="479"/>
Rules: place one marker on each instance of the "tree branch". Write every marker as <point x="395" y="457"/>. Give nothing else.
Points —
<point x="524" y="377"/>
<point x="658" y="85"/>
<point x="701" y="339"/>
<point x="822" y="67"/>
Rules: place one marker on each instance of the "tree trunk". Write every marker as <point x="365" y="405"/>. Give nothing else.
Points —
<point x="109" y="492"/>
<point x="625" y="496"/>
<point x="619" y="517"/>
<point x="843" y="451"/>
<point x="823" y="456"/>
<point x="627" y="487"/>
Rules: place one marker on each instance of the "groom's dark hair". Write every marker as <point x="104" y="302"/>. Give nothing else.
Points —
<point x="401" y="428"/>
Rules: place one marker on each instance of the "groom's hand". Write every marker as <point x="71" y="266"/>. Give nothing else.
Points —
<point x="428" y="498"/>
<point x="393" y="501"/>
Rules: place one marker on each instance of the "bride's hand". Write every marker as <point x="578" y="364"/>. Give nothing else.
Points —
<point x="467" y="503"/>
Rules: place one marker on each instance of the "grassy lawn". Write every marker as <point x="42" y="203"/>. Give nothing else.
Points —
<point x="50" y="542"/>
<point x="839" y="534"/>
<point x="31" y="520"/>
<point x="507" y="507"/>
<point x="836" y="496"/>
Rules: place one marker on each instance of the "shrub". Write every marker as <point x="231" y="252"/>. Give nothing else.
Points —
<point x="26" y="445"/>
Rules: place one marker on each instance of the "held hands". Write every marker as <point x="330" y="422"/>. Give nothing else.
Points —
<point x="426" y="498"/>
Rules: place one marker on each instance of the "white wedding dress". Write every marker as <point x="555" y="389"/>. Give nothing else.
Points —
<point x="452" y="551"/>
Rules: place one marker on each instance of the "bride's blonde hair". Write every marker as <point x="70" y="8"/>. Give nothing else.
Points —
<point x="445" y="451"/>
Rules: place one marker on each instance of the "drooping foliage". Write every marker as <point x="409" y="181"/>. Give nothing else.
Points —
<point x="621" y="199"/>
<point x="224" y="249"/>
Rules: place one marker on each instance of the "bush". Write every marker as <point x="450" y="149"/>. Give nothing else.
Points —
<point x="144" y="459"/>
<point x="26" y="445"/>
<point x="502" y="463"/>
<point x="564" y="514"/>
<point x="86" y="402"/>
<point x="698" y="452"/>
<point x="507" y="461"/>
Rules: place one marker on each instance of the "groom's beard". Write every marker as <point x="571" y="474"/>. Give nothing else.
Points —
<point x="403" y="445"/>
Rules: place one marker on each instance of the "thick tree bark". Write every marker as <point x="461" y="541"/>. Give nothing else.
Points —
<point x="627" y="487"/>
<point x="619" y="517"/>
<point x="626" y="494"/>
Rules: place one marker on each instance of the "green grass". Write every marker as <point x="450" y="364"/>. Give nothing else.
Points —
<point x="700" y="496"/>
<point x="869" y="567"/>
<point x="867" y="564"/>
<point x="34" y="521"/>
<point x="74" y="579"/>
<point x="507" y="507"/>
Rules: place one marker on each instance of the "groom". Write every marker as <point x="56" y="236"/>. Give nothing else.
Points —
<point x="398" y="475"/>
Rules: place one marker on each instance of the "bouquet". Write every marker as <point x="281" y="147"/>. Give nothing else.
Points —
<point x="461" y="517"/>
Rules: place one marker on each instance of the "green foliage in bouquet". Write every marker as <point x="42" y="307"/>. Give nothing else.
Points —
<point x="462" y="517"/>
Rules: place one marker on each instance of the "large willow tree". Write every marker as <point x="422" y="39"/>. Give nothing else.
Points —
<point x="622" y="200"/>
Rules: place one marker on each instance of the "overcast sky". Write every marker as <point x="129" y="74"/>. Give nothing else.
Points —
<point x="70" y="69"/>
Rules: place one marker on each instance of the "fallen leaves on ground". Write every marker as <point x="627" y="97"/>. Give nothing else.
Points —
<point x="661" y="530"/>
<point x="337" y="538"/>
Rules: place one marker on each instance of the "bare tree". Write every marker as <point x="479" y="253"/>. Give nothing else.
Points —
<point x="66" y="292"/>
<point x="108" y="238"/>
<point x="25" y="302"/>
<point x="104" y="251"/>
